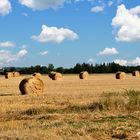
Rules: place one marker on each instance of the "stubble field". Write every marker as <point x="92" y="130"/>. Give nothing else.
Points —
<point x="98" y="108"/>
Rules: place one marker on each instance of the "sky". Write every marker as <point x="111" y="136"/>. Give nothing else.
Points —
<point x="66" y="32"/>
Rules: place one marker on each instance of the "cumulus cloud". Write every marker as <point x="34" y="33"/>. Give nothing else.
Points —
<point x="97" y="9"/>
<point x="7" y="44"/>
<point x="135" y="10"/>
<point x="44" y="53"/>
<point x="55" y="35"/>
<point x="5" y="7"/>
<point x="22" y="53"/>
<point x="47" y="4"/>
<point x="54" y="4"/>
<point x="108" y="51"/>
<point x="136" y="61"/>
<point x="123" y="62"/>
<point x="42" y="4"/>
<point x="91" y="61"/>
<point x="127" y="24"/>
<point x="7" y="57"/>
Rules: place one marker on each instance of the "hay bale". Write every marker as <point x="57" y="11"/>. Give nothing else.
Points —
<point x="83" y="75"/>
<point x="136" y="73"/>
<point x="16" y="74"/>
<point x="55" y="75"/>
<point x="51" y="74"/>
<point x="31" y="86"/>
<point x="37" y="75"/>
<point x="8" y="75"/>
<point x="120" y="75"/>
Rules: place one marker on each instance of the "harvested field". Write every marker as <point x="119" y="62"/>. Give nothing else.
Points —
<point x="99" y="108"/>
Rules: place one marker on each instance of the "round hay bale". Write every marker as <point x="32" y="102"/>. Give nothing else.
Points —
<point x="16" y="74"/>
<point x="56" y="76"/>
<point x="136" y="73"/>
<point x="8" y="75"/>
<point x="51" y="74"/>
<point x="31" y="86"/>
<point x="37" y="75"/>
<point x="83" y="75"/>
<point x="120" y="75"/>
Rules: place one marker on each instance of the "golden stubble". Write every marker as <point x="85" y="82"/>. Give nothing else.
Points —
<point x="62" y="111"/>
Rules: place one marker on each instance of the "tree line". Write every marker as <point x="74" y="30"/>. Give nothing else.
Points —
<point x="97" y="68"/>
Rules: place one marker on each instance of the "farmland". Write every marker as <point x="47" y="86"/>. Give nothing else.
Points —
<point x="100" y="107"/>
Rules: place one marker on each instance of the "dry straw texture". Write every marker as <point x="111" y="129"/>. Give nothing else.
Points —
<point x="120" y="75"/>
<point x="84" y="75"/>
<point x="16" y="74"/>
<point x="71" y="109"/>
<point x="31" y="86"/>
<point x="136" y="73"/>
<point x="8" y="75"/>
<point x="55" y="75"/>
<point x="37" y="75"/>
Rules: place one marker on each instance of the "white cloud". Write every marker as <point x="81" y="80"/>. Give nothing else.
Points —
<point x="22" y="53"/>
<point x="7" y="44"/>
<point x="135" y="10"/>
<point x="91" y="61"/>
<point x="55" y="4"/>
<point x="97" y="9"/>
<point x="55" y="35"/>
<point x="5" y="7"/>
<point x="7" y="57"/>
<point x="44" y="53"/>
<point x="47" y="4"/>
<point x="121" y="62"/>
<point x="136" y="61"/>
<point x="110" y="3"/>
<point x="42" y="4"/>
<point x="108" y="51"/>
<point x="127" y="24"/>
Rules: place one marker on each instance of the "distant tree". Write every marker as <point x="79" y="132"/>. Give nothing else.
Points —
<point x="77" y="68"/>
<point x="44" y="70"/>
<point x="98" y="68"/>
<point x="37" y="68"/>
<point x="12" y="69"/>
<point x="50" y="67"/>
<point x="60" y="69"/>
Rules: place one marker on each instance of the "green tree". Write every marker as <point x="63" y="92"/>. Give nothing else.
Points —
<point x="50" y="67"/>
<point x="60" y="69"/>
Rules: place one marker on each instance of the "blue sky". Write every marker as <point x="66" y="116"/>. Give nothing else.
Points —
<point x="66" y="32"/>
